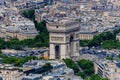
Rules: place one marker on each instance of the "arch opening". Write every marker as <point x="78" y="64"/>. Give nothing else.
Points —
<point x="57" y="52"/>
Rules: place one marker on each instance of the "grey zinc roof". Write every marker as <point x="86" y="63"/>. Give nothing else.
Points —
<point x="88" y="32"/>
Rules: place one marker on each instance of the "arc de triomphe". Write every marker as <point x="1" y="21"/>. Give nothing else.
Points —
<point x="64" y="38"/>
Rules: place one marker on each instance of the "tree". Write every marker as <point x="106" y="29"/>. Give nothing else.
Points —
<point x="98" y="39"/>
<point x="87" y="66"/>
<point x="105" y="40"/>
<point x="111" y="44"/>
<point x="109" y="58"/>
<point x="97" y="77"/>
<point x="15" y="60"/>
<point x="47" y="67"/>
<point x="2" y="43"/>
<point x="71" y="64"/>
<point x="119" y="56"/>
<point x="82" y="74"/>
<point x="84" y="43"/>
<point x="30" y="14"/>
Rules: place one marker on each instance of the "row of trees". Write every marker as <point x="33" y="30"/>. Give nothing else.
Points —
<point x="71" y="64"/>
<point x="84" y="43"/>
<point x="99" y="39"/>
<point x="16" y="61"/>
<point x="92" y="77"/>
<point x="87" y="66"/>
<point x="111" y="44"/>
<point x="105" y="40"/>
<point x="97" y="77"/>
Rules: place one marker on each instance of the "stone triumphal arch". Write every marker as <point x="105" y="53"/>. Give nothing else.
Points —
<point x="64" y="38"/>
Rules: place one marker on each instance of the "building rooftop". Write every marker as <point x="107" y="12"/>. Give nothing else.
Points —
<point x="88" y="32"/>
<point x="33" y="77"/>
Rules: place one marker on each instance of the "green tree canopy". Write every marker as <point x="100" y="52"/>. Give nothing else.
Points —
<point x="71" y="64"/>
<point x="97" y="77"/>
<point x="47" y="67"/>
<point x="29" y="14"/>
<point x="87" y="66"/>
<point x="82" y="74"/>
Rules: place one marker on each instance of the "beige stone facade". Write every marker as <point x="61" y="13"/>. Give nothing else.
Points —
<point x="20" y="36"/>
<point x="109" y="69"/>
<point x="38" y="17"/>
<point x="87" y="35"/>
<point x="64" y="39"/>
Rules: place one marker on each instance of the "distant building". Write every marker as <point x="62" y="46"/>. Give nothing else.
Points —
<point x="108" y="69"/>
<point x="11" y="75"/>
<point x="20" y="30"/>
<point x="32" y="77"/>
<point x="39" y="14"/>
<point x="48" y="2"/>
<point x="87" y="35"/>
<point x="57" y="76"/>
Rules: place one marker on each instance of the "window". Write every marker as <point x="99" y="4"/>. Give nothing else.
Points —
<point x="57" y="26"/>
